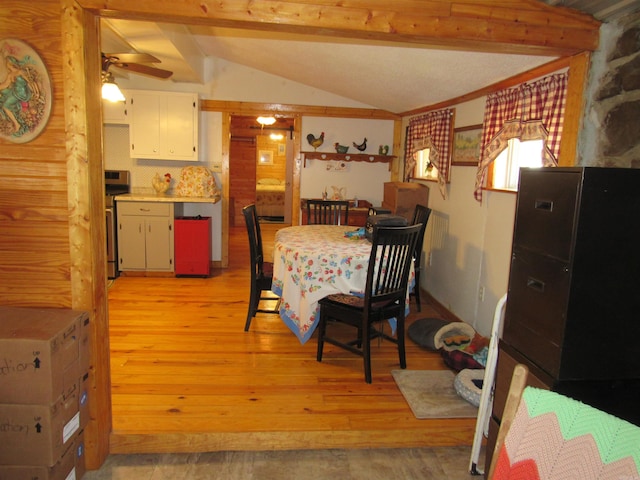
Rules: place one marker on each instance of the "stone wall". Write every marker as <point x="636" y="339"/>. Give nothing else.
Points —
<point x="611" y="127"/>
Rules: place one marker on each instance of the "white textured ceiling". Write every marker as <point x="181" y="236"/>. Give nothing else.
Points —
<point x="393" y="77"/>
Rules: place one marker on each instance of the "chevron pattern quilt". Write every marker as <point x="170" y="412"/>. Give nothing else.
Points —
<point x="554" y="437"/>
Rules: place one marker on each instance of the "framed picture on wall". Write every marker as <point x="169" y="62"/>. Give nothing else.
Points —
<point x="265" y="157"/>
<point x="281" y="149"/>
<point x="466" y="145"/>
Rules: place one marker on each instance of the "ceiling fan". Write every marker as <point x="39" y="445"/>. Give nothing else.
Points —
<point x="134" y="62"/>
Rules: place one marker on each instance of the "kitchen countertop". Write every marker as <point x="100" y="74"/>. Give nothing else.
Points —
<point x="152" y="196"/>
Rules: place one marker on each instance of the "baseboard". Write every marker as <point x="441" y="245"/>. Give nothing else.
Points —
<point x="440" y="308"/>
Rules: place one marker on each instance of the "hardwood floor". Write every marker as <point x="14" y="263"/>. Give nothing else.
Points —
<point x="187" y="378"/>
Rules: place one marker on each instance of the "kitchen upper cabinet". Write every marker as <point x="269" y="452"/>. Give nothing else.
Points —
<point x="145" y="236"/>
<point x="163" y="125"/>
<point x="115" y="113"/>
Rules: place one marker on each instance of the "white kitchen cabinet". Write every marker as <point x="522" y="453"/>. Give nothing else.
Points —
<point x="115" y="113"/>
<point x="145" y="236"/>
<point x="163" y="125"/>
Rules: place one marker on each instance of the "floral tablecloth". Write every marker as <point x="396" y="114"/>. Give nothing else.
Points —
<point x="311" y="262"/>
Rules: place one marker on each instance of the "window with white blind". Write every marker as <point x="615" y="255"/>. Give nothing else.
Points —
<point x="505" y="169"/>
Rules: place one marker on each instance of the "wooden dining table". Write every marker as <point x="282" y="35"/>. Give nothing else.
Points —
<point x="311" y="262"/>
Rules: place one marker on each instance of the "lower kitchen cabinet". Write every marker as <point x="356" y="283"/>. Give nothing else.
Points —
<point x="145" y="236"/>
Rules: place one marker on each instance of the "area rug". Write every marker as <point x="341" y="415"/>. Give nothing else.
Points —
<point x="431" y="394"/>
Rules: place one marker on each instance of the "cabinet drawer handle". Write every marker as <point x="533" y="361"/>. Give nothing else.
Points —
<point x="145" y="209"/>
<point x="544" y="205"/>
<point x="535" y="284"/>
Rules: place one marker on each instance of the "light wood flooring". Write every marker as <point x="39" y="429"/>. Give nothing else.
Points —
<point x="187" y="378"/>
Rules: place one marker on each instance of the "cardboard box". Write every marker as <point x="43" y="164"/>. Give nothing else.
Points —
<point x="71" y="466"/>
<point x="38" y="435"/>
<point x="85" y="360"/>
<point x="40" y="353"/>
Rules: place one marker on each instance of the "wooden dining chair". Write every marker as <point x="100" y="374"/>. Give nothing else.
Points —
<point x="328" y="212"/>
<point x="261" y="271"/>
<point x="421" y="216"/>
<point x="384" y="297"/>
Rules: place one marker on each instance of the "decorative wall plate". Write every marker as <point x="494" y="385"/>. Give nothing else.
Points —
<point x="25" y="92"/>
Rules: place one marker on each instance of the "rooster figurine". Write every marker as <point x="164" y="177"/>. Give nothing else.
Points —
<point x="363" y="146"/>
<point x="315" y="142"/>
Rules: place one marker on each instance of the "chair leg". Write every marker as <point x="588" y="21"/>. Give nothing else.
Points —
<point x="322" y="327"/>
<point x="416" y="291"/>
<point x="401" y="345"/>
<point x="254" y="298"/>
<point x="366" y="353"/>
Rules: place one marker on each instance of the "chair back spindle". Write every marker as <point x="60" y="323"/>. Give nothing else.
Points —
<point x="328" y="212"/>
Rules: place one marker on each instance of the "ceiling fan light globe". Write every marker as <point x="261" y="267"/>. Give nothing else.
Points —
<point x="111" y="92"/>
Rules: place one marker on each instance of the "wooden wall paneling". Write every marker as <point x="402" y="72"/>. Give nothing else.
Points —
<point x="34" y="244"/>
<point x="226" y="135"/>
<point x="504" y="27"/>
<point x="574" y="109"/>
<point x="85" y="176"/>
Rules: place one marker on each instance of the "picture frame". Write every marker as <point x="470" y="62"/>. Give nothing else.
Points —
<point x="281" y="149"/>
<point x="265" y="157"/>
<point x="27" y="96"/>
<point x="466" y="145"/>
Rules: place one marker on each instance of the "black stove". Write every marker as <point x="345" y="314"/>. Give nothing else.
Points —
<point x="116" y="182"/>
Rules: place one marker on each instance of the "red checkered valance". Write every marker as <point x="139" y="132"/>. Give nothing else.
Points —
<point x="528" y="111"/>
<point x="431" y="130"/>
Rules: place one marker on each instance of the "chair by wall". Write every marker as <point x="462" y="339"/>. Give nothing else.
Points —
<point x="261" y="271"/>
<point x="328" y="212"/>
<point x="384" y="297"/>
<point x="421" y="215"/>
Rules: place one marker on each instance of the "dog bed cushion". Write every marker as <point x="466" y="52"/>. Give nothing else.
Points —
<point x="435" y="333"/>
<point x="468" y="384"/>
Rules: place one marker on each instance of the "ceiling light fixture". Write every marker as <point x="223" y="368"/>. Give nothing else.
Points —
<point x="266" y="120"/>
<point x="110" y="90"/>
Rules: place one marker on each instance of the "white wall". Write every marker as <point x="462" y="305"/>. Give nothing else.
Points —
<point x="359" y="180"/>
<point x="469" y="242"/>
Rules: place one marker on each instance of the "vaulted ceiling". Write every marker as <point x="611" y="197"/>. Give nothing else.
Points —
<point x="378" y="73"/>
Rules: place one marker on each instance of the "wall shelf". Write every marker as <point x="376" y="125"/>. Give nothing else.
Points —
<point x="348" y="157"/>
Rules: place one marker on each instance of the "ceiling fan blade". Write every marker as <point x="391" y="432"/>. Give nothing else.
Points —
<point x="132" y="58"/>
<point x="144" y="69"/>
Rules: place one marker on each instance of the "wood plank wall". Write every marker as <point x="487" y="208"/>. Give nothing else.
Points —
<point x="34" y="214"/>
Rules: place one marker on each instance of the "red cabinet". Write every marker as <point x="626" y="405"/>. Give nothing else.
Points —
<point x="192" y="240"/>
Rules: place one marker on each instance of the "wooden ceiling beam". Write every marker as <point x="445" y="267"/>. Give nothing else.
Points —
<point x="508" y="26"/>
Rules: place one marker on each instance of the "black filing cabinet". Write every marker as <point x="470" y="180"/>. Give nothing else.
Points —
<point x="574" y="286"/>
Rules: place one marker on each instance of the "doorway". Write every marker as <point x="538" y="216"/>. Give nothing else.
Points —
<point x="261" y="169"/>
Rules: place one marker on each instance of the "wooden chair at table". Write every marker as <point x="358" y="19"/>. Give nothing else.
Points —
<point x="384" y="296"/>
<point x="421" y="216"/>
<point x="261" y="271"/>
<point x="328" y="212"/>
